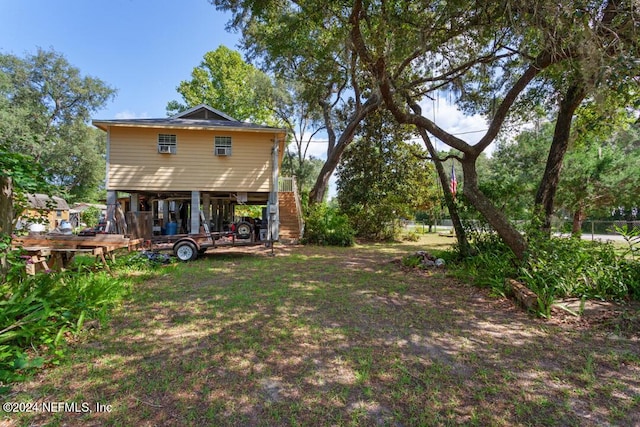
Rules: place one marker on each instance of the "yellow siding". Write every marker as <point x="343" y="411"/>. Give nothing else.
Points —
<point x="136" y="165"/>
<point x="52" y="216"/>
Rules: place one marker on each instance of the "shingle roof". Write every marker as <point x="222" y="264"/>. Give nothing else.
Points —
<point x="186" y="123"/>
<point x="183" y="123"/>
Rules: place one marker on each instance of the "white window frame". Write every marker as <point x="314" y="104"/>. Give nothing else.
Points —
<point x="220" y="143"/>
<point x="167" y="140"/>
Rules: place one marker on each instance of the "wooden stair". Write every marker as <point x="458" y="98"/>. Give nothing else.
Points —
<point x="290" y="217"/>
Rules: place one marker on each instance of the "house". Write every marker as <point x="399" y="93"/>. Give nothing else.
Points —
<point x="199" y="163"/>
<point x="39" y="206"/>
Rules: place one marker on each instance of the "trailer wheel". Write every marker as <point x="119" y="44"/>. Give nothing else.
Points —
<point x="185" y="251"/>
<point x="243" y="229"/>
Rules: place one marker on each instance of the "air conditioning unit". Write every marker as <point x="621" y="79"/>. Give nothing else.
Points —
<point x="223" y="151"/>
<point x="164" y="149"/>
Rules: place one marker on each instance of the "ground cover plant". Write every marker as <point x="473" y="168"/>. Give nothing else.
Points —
<point x="337" y="336"/>
<point x="39" y="314"/>
<point x="555" y="268"/>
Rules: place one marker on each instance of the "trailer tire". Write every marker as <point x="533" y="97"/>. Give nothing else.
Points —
<point x="243" y="229"/>
<point x="185" y="251"/>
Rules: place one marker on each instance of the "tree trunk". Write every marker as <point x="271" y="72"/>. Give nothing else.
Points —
<point x="546" y="194"/>
<point x="494" y="216"/>
<point x="317" y="193"/>
<point x="461" y="236"/>
<point x="6" y="220"/>
<point x="576" y="227"/>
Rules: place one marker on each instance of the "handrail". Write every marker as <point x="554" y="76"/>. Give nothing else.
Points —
<point x="286" y="184"/>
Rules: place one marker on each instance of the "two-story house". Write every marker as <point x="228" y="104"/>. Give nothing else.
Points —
<point x="201" y="160"/>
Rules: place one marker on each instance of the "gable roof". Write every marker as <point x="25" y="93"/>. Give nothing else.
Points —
<point x="203" y="111"/>
<point x="199" y="117"/>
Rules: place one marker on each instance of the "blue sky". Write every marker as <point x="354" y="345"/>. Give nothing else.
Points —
<point x="142" y="48"/>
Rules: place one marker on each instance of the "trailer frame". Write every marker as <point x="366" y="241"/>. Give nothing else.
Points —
<point x="187" y="247"/>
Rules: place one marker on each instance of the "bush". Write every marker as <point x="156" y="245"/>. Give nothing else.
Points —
<point x="91" y="216"/>
<point x="325" y="225"/>
<point x="411" y="236"/>
<point x="411" y="261"/>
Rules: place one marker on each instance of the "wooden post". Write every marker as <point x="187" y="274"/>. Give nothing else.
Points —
<point x="112" y="201"/>
<point x="165" y="213"/>
<point x="273" y="207"/>
<point x="206" y="206"/>
<point x="134" y="202"/>
<point x="195" y="212"/>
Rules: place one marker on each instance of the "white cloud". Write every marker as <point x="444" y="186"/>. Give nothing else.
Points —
<point x="126" y="115"/>
<point x="447" y="116"/>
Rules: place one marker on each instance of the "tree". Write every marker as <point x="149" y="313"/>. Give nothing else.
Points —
<point x="301" y="43"/>
<point x="465" y="47"/>
<point x="601" y="173"/>
<point x="599" y="169"/>
<point x="514" y="171"/>
<point x="602" y="65"/>
<point x="19" y="175"/>
<point x="382" y="178"/>
<point x="494" y="58"/>
<point x="46" y="108"/>
<point x="304" y="168"/>
<point x="303" y="123"/>
<point x="226" y="82"/>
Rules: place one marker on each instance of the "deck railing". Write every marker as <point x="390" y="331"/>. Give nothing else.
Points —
<point x="287" y="184"/>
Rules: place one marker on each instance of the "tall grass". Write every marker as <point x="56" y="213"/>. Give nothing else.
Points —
<point x="38" y="312"/>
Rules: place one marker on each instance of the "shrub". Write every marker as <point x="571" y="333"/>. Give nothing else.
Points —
<point x="325" y="225"/>
<point x="91" y="216"/>
<point x="411" y="261"/>
<point x="411" y="236"/>
<point x="491" y="264"/>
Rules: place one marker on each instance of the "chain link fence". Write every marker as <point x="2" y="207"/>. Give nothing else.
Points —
<point x="593" y="230"/>
<point x="599" y="230"/>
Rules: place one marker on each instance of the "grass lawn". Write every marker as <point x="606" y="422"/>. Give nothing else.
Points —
<point x="335" y="337"/>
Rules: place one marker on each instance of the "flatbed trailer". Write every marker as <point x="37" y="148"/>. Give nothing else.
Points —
<point x="187" y="247"/>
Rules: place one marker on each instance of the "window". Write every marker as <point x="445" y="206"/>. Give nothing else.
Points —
<point x="222" y="146"/>
<point x="166" y="143"/>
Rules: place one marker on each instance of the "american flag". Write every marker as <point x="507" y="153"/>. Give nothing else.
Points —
<point x="453" y="185"/>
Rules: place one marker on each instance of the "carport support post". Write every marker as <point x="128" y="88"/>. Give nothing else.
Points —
<point x="274" y="214"/>
<point x="195" y="212"/>
<point x="219" y="214"/>
<point x="112" y="200"/>
<point x="134" y="202"/>
<point x="165" y="213"/>
<point x="206" y="206"/>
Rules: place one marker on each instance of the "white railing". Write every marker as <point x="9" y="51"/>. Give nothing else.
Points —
<point x="286" y="184"/>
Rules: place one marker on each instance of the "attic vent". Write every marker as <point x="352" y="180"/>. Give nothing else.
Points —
<point x="222" y="146"/>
